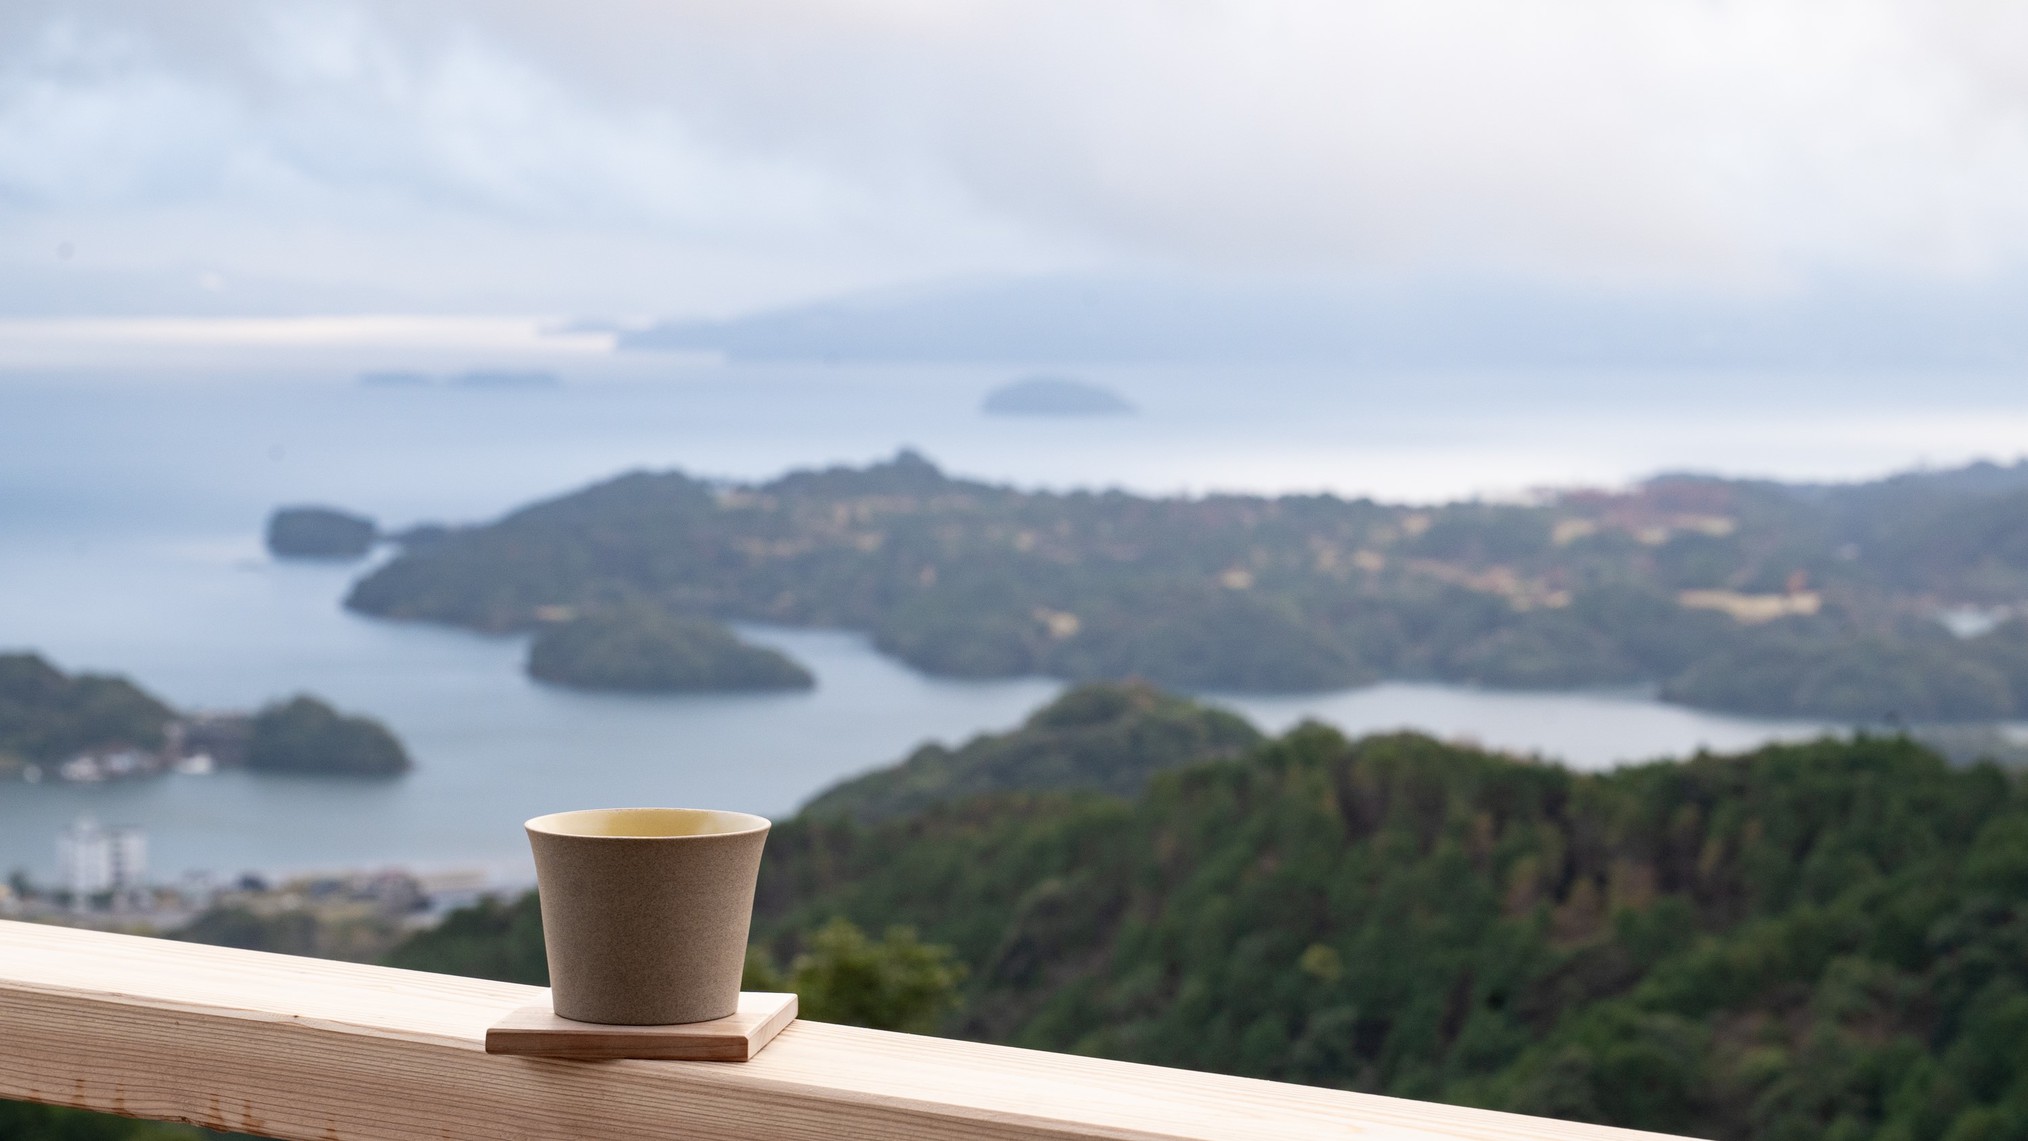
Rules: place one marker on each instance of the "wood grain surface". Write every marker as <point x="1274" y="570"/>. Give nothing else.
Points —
<point x="307" y="1050"/>
<point x="535" y="1030"/>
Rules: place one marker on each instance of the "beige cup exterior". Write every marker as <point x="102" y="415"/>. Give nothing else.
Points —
<point x="645" y="911"/>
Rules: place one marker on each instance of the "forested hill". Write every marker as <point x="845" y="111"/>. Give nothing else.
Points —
<point x="1737" y="595"/>
<point x="1105" y="737"/>
<point x="1809" y="941"/>
<point x="47" y="715"/>
<point x="1828" y="940"/>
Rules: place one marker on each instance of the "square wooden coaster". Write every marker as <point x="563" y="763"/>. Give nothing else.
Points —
<point x="536" y="1030"/>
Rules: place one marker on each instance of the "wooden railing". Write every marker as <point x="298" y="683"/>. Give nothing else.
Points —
<point x="319" y="1051"/>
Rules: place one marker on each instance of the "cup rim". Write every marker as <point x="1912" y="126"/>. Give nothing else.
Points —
<point x="546" y="824"/>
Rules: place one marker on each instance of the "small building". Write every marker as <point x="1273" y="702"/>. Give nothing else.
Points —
<point x="93" y="859"/>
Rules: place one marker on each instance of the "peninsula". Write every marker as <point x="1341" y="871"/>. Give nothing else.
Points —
<point x="88" y="728"/>
<point x="1825" y="601"/>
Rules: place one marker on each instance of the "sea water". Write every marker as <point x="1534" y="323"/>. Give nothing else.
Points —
<point x="132" y="497"/>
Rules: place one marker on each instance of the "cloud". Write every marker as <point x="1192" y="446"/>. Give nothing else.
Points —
<point x="705" y="155"/>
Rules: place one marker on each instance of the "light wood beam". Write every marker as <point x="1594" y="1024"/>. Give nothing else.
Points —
<point x="308" y="1050"/>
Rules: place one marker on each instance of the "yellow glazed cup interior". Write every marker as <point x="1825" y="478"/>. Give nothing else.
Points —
<point x="646" y="823"/>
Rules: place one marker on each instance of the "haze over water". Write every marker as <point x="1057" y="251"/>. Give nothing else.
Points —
<point x="132" y="494"/>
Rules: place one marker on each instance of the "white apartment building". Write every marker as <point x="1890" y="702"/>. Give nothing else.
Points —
<point x="92" y="859"/>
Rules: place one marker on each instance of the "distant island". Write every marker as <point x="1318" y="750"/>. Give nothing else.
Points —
<point x="645" y="649"/>
<point x="1821" y="601"/>
<point x="1054" y="396"/>
<point x="87" y="728"/>
<point x="319" y="533"/>
<point x="305" y="736"/>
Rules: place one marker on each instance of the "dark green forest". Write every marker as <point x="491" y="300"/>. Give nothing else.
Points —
<point x="1807" y="941"/>
<point x="1748" y="596"/>
<point x="1828" y="940"/>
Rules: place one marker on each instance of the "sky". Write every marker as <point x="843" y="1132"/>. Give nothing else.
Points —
<point x="633" y="158"/>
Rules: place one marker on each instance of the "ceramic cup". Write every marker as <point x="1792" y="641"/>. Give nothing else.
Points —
<point x="645" y="911"/>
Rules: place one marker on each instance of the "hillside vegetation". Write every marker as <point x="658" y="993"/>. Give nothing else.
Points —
<point x="1739" y="595"/>
<point x="47" y="715"/>
<point x="1107" y="737"/>
<point x="1811" y="941"/>
<point x="1827" y="940"/>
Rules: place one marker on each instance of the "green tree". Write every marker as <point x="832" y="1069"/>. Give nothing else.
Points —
<point x="841" y="975"/>
<point x="488" y="940"/>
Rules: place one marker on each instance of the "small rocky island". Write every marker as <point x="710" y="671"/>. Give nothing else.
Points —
<point x="305" y="736"/>
<point x="90" y="728"/>
<point x="643" y="649"/>
<point x="1054" y="396"/>
<point x="310" y="532"/>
